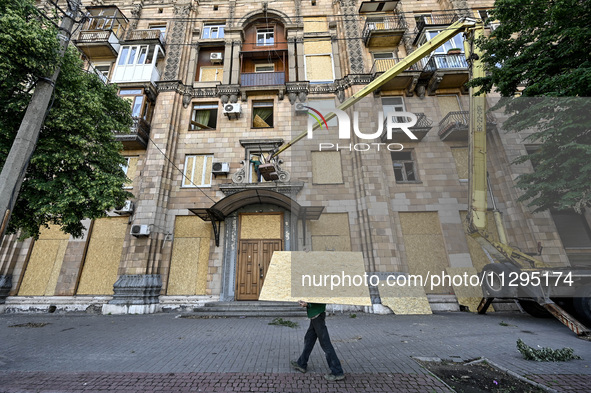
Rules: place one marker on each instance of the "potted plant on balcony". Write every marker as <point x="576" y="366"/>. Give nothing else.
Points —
<point x="454" y="51"/>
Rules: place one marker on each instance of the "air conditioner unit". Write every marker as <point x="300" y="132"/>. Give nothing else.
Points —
<point x="220" y="168"/>
<point x="300" y="108"/>
<point x="126" y="209"/>
<point x="140" y="230"/>
<point x="216" y="57"/>
<point x="232" y="110"/>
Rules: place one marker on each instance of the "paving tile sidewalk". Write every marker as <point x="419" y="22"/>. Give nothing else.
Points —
<point x="163" y="353"/>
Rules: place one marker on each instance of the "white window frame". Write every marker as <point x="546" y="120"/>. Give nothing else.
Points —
<point x="447" y="45"/>
<point x="216" y="74"/>
<point x="397" y="108"/>
<point x="217" y="27"/>
<point x="319" y="54"/>
<point x="102" y="74"/>
<point x="191" y="181"/>
<point x="257" y="66"/>
<point x="265" y="33"/>
<point x="204" y="107"/>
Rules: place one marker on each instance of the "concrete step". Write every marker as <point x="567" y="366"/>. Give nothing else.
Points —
<point x="253" y="314"/>
<point x="248" y="309"/>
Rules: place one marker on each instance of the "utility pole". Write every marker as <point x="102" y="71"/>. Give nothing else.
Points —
<point x="24" y="144"/>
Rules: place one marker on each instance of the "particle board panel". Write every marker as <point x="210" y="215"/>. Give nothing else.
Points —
<point x="283" y="281"/>
<point x="331" y="243"/>
<point x="103" y="257"/>
<point x="315" y="47"/>
<point x="460" y="155"/>
<point x="404" y="300"/>
<point x="43" y="269"/>
<point x="448" y="104"/>
<point x="319" y="68"/>
<point x="191" y="226"/>
<point x="335" y="224"/>
<point x="326" y="167"/>
<point x="53" y="233"/>
<point x="315" y="24"/>
<point x="184" y="266"/>
<point x="261" y="226"/>
<point x="467" y="295"/>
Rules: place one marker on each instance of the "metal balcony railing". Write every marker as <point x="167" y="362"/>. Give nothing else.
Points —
<point x="94" y="36"/>
<point x="383" y="65"/>
<point x="146" y="35"/>
<point x="459" y="120"/>
<point x="444" y="61"/>
<point x="262" y="78"/>
<point x="140" y="127"/>
<point x="423" y="126"/>
<point x="435" y="20"/>
<point x="392" y="22"/>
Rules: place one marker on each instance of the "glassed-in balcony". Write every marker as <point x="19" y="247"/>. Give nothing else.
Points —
<point x="137" y="63"/>
<point x="262" y="78"/>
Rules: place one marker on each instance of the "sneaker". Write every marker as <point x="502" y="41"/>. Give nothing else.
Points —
<point x="296" y="366"/>
<point x="332" y="377"/>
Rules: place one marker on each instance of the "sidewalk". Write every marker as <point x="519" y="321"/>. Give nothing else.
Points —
<point x="161" y="352"/>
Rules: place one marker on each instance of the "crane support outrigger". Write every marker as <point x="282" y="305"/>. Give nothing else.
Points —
<point x="506" y="258"/>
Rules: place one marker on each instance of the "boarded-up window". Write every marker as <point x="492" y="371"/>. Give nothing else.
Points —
<point x="103" y="256"/>
<point x="190" y="257"/>
<point x="460" y="155"/>
<point x="197" y="171"/>
<point x="425" y="249"/>
<point x="210" y="74"/>
<point x="326" y="167"/>
<point x="330" y="232"/>
<point x="319" y="68"/>
<point x="45" y="262"/>
<point x="448" y="104"/>
<point x="315" y="24"/>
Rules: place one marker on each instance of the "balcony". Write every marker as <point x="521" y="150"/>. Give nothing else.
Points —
<point x="384" y="31"/>
<point x="455" y="125"/>
<point x="406" y="80"/>
<point x="419" y="130"/>
<point x="100" y="34"/>
<point x="432" y="21"/>
<point x="150" y="36"/>
<point x="138" y="136"/>
<point x="137" y="63"/>
<point x="262" y="78"/>
<point x="446" y="71"/>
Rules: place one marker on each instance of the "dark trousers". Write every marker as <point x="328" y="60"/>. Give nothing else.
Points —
<point x="318" y="330"/>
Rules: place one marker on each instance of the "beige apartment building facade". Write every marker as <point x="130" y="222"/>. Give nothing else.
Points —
<point x="215" y="84"/>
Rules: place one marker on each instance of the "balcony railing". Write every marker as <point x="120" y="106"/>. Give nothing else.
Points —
<point x="386" y="23"/>
<point x="459" y="121"/>
<point x="93" y="36"/>
<point x="420" y="129"/>
<point x="262" y="78"/>
<point x="383" y="65"/>
<point x="137" y="136"/>
<point x="436" y="20"/>
<point x="147" y="35"/>
<point x="443" y="61"/>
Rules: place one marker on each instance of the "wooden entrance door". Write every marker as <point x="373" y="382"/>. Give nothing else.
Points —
<point x="254" y="257"/>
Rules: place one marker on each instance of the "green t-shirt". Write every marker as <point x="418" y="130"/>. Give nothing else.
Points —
<point x="315" y="309"/>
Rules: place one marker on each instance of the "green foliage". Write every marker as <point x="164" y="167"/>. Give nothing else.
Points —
<point x="75" y="172"/>
<point x="545" y="354"/>
<point x="283" y="322"/>
<point x="542" y="48"/>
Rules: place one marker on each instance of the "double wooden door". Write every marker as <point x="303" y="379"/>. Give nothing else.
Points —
<point x="254" y="257"/>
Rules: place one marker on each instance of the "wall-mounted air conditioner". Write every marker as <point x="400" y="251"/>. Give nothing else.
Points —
<point x="232" y="110"/>
<point x="216" y="57"/>
<point x="220" y="168"/>
<point x="300" y="108"/>
<point x="140" y="230"/>
<point x="126" y="209"/>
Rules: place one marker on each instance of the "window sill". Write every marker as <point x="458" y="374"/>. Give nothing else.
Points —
<point x="409" y="182"/>
<point x="194" y="187"/>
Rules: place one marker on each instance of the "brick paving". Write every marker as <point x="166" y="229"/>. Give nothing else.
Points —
<point x="162" y="352"/>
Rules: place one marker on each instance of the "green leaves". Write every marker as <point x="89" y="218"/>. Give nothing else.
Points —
<point x="75" y="172"/>
<point x="545" y="354"/>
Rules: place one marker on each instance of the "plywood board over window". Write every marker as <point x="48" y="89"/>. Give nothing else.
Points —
<point x="315" y="24"/>
<point x="448" y="104"/>
<point x="460" y="155"/>
<point x="330" y="232"/>
<point x="190" y="257"/>
<point x="425" y="250"/>
<point x="45" y="263"/>
<point x="326" y="167"/>
<point x="103" y="256"/>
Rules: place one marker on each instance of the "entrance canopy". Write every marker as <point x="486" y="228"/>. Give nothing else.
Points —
<point x="223" y="208"/>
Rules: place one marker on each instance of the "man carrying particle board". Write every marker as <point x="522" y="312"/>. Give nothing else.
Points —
<point x="317" y="330"/>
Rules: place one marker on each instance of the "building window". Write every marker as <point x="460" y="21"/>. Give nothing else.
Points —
<point x="138" y="102"/>
<point x="102" y="70"/>
<point x="264" y="68"/>
<point x="394" y="104"/>
<point x="213" y="31"/>
<point x="404" y="166"/>
<point x="197" y="172"/>
<point x="319" y="68"/>
<point x="262" y="114"/>
<point x="204" y="117"/>
<point x="265" y="36"/>
<point x="161" y="27"/>
<point x="211" y="74"/>
<point x="138" y="54"/>
<point x="130" y="169"/>
<point x="457" y="42"/>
